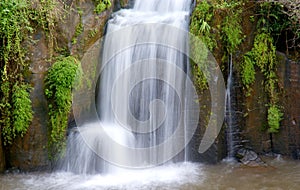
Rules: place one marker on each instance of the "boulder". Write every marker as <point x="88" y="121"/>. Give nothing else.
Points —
<point x="249" y="158"/>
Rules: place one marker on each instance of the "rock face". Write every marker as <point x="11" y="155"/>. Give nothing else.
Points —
<point x="30" y="152"/>
<point x="2" y="158"/>
<point x="217" y="151"/>
<point x="287" y="140"/>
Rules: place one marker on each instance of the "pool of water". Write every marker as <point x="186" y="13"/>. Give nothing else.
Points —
<point x="281" y="174"/>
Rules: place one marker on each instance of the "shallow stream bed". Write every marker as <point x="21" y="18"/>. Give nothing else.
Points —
<point x="281" y="174"/>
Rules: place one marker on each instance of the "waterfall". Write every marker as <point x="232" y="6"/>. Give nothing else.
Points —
<point x="140" y="96"/>
<point x="231" y="118"/>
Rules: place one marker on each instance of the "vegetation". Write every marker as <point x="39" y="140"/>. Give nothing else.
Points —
<point x="231" y="27"/>
<point x="228" y="30"/>
<point x="15" y="105"/>
<point x="79" y="28"/>
<point x="18" y="20"/>
<point x="101" y="5"/>
<point x="272" y="21"/>
<point x="274" y="117"/>
<point x="59" y="82"/>
<point x="263" y="56"/>
<point x="283" y="19"/>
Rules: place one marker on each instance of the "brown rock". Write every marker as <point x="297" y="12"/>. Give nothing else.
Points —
<point x="2" y="158"/>
<point x="287" y="141"/>
<point x="30" y="152"/>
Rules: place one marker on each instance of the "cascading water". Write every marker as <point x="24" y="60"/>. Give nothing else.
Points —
<point x="140" y="98"/>
<point x="231" y="118"/>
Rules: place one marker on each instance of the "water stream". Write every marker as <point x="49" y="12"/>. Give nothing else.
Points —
<point x="231" y="117"/>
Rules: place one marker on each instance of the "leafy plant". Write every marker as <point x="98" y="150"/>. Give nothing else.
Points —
<point x="61" y="78"/>
<point x="101" y="5"/>
<point x="263" y="56"/>
<point x="281" y="19"/>
<point x="274" y="118"/>
<point x="22" y="109"/>
<point x="15" y="106"/>
<point x="232" y="30"/>
<point x="21" y="115"/>
<point x="200" y="24"/>
<point x="79" y="27"/>
<point x="248" y="71"/>
<point x="209" y="31"/>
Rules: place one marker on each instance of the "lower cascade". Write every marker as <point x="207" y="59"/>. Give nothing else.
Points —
<point x="141" y="100"/>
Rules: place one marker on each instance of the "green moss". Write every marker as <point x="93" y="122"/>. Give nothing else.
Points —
<point x="59" y="82"/>
<point x="79" y="27"/>
<point x="232" y="30"/>
<point x="274" y="117"/>
<point x="248" y="72"/>
<point x="200" y="26"/>
<point x="101" y="5"/>
<point x="19" y="112"/>
<point x="203" y="25"/>
<point x="78" y="31"/>
<point x="16" y="19"/>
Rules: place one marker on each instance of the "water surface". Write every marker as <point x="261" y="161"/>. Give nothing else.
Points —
<point x="282" y="174"/>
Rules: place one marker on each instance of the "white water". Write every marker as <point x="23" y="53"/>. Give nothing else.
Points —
<point x="282" y="174"/>
<point x="229" y="115"/>
<point x="141" y="98"/>
<point x="231" y="118"/>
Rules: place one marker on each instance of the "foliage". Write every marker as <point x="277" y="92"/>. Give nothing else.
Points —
<point x="248" y="71"/>
<point x="232" y="29"/>
<point x="15" y="106"/>
<point x="264" y="52"/>
<point x="20" y="112"/>
<point x="22" y="109"/>
<point x="200" y="24"/>
<point x="14" y="23"/>
<point x="101" y="5"/>
<point x="59" y="81"/>
<point x="209" y="31"/>
<point x="263" y="56"/>
<point x="200" y="27"/>
<point x="79" y="27"/>
<point x="6" y="113"/>
<point x="46" y="13"/>
<point x="281" y="19"/>
<point x="274" y="118"/>
<point x="78" y="31"/>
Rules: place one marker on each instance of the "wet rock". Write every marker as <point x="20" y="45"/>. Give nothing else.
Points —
<point x="287" y="141"/>
<point x="93" y="26"/>
<point x="249" y="158"/>
<point x="2" y="159"/>
<point x="30" y="152"/>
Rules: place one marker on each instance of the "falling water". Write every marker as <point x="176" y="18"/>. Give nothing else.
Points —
<point x="137" y="105"/>
<point x="230" y="114"/>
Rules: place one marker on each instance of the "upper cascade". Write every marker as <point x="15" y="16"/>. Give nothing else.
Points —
<point x="162" y="6"/>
